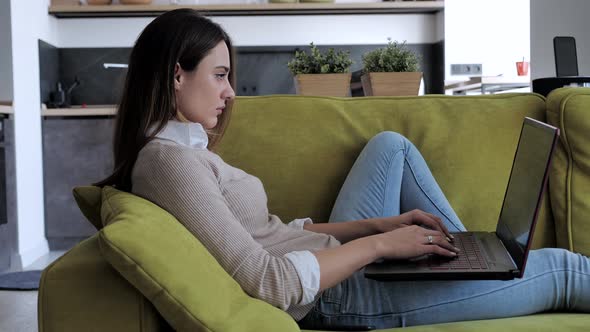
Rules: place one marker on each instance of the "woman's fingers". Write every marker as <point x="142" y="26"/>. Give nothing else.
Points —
<point x="441" y="225"/>
<point x="431" y="223"/>
<point x="442" y="242"/>
<point x="435" y="222"/>
<point x="438" y="239"/>
<point x="439" y="251"/>
<point x="440" y="222"/>
<point x="414" y="240"/>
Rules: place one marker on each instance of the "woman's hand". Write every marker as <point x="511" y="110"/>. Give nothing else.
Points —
<point x="367" y="240"/>
<point x="413" y="241"/>
<point x="414" y="217"/>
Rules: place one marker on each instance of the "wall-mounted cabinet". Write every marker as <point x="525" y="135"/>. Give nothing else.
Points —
<point x="71" y="9"/>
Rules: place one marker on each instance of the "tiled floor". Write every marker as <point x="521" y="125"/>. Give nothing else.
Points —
<point x="18" y="310"/>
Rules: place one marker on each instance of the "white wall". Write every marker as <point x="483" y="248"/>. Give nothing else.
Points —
<point x="264" y="30"/>
<point x="494" y="33"/>
<point x="29" y="23"/>
<point x="5" y="54"/>
<point x="550" y="18"/>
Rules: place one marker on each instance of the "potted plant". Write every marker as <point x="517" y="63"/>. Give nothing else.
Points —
<point x="391" y="71"/>
<point x="320" y="74"/>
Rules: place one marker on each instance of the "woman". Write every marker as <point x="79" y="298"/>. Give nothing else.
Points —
<point x="175" y="107"/>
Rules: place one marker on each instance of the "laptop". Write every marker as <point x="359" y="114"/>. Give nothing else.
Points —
<point x="499" y="255"/>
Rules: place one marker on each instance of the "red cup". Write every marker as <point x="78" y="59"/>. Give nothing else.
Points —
<point x="522" y="68"/>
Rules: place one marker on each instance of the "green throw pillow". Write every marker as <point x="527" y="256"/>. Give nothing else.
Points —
<point x="89" y="200"/>
<point x="170" y="267"/>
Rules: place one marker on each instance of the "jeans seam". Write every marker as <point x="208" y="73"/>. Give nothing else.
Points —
<point x="391" y="158"/>
<point x="506" y="287"/>
<point x="427" y="195"/>
<point x="368" y="316"/>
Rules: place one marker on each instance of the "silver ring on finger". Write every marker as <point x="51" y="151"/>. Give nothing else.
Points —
<point x="429" y="237"/>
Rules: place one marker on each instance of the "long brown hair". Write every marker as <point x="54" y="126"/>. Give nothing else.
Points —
<point x="148" y="101"/>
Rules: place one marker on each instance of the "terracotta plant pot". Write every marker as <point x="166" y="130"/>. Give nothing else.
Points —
<point x="391" y="84"/>
<point x="335" y="85"/>
<point x="136" y="2"/>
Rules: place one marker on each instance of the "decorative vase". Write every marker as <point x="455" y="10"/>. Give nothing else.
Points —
<point x="335" y="85"/>
<point x="391" y="84"/>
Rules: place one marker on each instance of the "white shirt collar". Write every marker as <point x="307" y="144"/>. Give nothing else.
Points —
<point x="186" y="133"/>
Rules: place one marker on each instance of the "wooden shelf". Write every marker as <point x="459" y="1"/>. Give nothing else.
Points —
<point x="78" y="11"/>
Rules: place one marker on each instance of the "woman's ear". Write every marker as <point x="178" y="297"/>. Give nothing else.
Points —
<point x="177" y="76"/>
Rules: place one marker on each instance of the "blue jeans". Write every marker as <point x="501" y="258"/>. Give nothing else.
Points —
<point x="391" y="177"/>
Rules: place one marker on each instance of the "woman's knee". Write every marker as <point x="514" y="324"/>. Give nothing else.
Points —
<point x="390" y="140"/>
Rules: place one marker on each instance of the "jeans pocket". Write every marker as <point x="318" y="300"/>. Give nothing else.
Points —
<point x="333" y="299"/>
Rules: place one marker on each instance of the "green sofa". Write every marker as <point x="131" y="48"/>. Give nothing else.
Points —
<point x="144" y="272"/>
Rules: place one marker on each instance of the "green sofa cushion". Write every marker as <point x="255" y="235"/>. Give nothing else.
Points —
<point x="88" y="199"/>
<point x="568" y="109"/>
<point x="170" y="267"/>
<point x="537" y="323"/>
<point x="468" y="142"/>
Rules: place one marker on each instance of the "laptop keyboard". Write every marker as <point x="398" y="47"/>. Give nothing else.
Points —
<point x="470" y="256"/>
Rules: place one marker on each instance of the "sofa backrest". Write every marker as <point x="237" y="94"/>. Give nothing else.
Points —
<point x="567" y="109"/>
<point x="303" y="147"/>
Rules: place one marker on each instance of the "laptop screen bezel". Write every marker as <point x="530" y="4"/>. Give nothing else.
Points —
<point x="511" y="245"/>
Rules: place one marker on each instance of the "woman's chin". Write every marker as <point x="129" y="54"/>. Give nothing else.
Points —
<point x="210" y="124"/>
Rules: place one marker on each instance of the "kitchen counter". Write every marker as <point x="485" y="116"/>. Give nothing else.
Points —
<point x="92" y="110"/>
<point x="489" y="84"/>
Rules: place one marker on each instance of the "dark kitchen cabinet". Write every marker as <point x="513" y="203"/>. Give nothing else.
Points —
<point x="76" y="151"/>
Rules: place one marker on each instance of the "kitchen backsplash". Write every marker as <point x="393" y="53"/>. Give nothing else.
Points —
<point x="48" y="68"/>
<point x="98" y="85"/>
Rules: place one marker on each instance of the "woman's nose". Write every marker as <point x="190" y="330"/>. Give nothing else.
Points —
<point x="229" y="93"/>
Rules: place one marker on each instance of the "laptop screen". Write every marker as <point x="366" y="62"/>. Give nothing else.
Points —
<point x="525" y="187"/>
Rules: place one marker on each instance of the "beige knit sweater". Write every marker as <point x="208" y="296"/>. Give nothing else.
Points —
<point x="226" y="209"/>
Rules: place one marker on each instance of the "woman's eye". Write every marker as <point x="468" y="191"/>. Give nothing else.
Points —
<point x="220" y="76"/>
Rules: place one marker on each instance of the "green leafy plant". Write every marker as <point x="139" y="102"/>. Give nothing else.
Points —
<point x="394" y="57"/>
<point x="317" y="63"/>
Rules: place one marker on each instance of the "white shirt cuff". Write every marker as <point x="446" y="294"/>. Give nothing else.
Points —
<point x="298" y="223"/>
<point x="308" y="269"/>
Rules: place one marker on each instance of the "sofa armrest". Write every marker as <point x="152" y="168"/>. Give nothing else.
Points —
<point x="80" y="291"/>
<point x="569" y="181"/>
